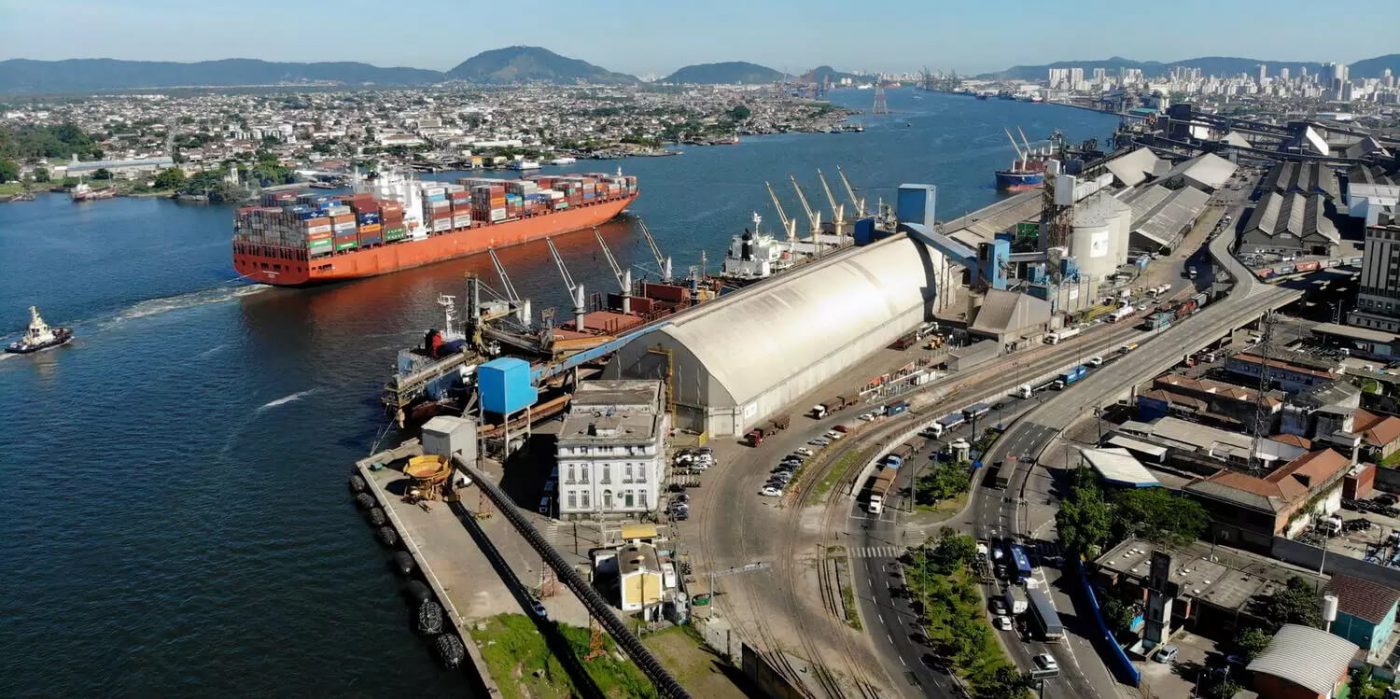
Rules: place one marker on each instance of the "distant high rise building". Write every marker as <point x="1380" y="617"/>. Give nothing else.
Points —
<point x="1059" y="77"/>
<point x="1263" y="73"/>
<point x="1076" y="78"/>
<point x="1100" y="75"/>
<point x="1388" y="78"/>
<point x="1378" y="303"/>
<point x="1339" y="78"/>
<point x="1283" y="74"/>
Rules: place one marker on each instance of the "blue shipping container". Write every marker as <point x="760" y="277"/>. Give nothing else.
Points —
<point x="504" y="385"/>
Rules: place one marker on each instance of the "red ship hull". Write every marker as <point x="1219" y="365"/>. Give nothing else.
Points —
<point x="291" y="266"/>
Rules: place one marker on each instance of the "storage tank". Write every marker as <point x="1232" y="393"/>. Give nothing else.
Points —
<point x="1098" y="239"/>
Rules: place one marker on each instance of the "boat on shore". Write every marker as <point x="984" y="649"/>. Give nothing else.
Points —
<point x="85" y="192"/>
<point x="39" y="336"/>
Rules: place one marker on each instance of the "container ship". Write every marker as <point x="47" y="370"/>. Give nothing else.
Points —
<point x="1027" y="172"/>
<point x="396" y="223"/>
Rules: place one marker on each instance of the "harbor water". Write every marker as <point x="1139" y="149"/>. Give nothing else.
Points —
<point x="178" y="517"/>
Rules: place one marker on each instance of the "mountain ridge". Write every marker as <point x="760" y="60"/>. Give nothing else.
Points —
<point x="724" y="73"/>
<point x="526" y="64"/>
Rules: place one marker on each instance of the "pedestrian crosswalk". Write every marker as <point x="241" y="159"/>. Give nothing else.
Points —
<point x="876" y="551"/>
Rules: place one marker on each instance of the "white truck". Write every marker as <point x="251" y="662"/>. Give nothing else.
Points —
<point x="1016" y="600"/>
<point x="880" y="489"/>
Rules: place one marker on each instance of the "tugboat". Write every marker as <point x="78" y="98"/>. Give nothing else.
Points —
<point x="39" y="336"/>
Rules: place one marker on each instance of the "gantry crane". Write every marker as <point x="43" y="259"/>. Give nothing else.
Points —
<point x="789" y="225"/>
<point x="575" y="289"/>
<point x="663" y="263"/>
<point x="858" y="202"/>
<point x="813" y="217"/>
<point x="624" y="276"/>
<point x="838" y="211"/>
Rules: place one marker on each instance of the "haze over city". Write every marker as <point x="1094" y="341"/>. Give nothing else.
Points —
<point x="647" y="38"/>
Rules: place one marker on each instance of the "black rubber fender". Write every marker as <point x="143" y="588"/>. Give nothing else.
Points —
<point x="430" y="618"/>
<point x="450" y="649"/>
<point x="365" y="501"/>
<point x="417" y="592"/>
<point x="388" y="537"/>
<point x="377" y="517"/>
<point x="357" y="483"/>
<point x="404" y="564"/>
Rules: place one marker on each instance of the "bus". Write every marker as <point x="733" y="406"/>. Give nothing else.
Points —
<point x="1022" y="572"/>
<point x="1043" y="616"/>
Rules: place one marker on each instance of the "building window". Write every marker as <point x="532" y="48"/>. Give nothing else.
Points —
<point x="607" y="474"/>
<point x="642" y="473"/>
<point x="627" y="473"/>
<point x="585" y="495"/>
<point x="627" y="499"/>
<point x="607" y="500"/>
<point x="570" y="480"/>
<point x="573" y="500"/>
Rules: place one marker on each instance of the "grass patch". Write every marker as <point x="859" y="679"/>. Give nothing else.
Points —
<point x="10" y="188"/>
<point x="848" y="606"/>
<point x="838" y="469"/>
<point x="945" y="508"/>
<point x="697" y="667"/>
<point x="1392" y="461"/>
<point x="523" y="666"/>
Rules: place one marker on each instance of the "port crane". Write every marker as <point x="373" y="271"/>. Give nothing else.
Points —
<point x="663" y="263"/>
<point x="838" y="211"/>
<point x="1029" y="151"/>
<point x="857" y="202"/>
<point x="1020" y="156"/>
<point x="575" y="288"/>
<point x="624" y="276"/>
<point x="813" y="217"/>
<point x="524" y="313"/>
<point x="789" y="225"/>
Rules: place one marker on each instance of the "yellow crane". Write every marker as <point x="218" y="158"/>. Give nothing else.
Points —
<point x="859" y="203"/>
<point x="838" y="211"/>
<point x="789" y="225"/>
<point x="813" y="217"/>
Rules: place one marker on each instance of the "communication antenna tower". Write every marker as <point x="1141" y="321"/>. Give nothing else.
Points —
<point x="880" y="106"/>
<point x="1261" y="406"/>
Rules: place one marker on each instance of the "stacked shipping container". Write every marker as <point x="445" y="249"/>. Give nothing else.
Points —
<point x="324" y="225"/>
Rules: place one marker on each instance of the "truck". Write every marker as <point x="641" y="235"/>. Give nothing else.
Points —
<point x="1121" y="313"/>
<point x="880" y="489"/>
<point x="1022" y="571"/>
<point x="946" y="423"/>
<point x="822" y="410"/>
<point x="998" y="475"/>
<point x="1071" y="377"/>
<point x="896" y="408"/>
<point x="1059" y="335"/>
<point x="756" y="435"/>
<point x="1016" y="602"/>
<point x="1022" y="391"/>
<point x="1043" y="616"/>
<point x="976" y="410"/>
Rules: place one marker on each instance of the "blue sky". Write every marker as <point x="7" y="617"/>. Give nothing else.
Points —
<point x="653" y="38"/>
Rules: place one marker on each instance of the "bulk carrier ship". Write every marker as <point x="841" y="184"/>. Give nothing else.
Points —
<point x="397" y="223"/>
<point x="1028" y="172"/>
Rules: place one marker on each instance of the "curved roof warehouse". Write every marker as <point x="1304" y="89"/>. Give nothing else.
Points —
<point x="745" y="356"/>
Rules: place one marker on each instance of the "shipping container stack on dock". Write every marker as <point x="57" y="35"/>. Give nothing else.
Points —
<point x="294" y="239"/>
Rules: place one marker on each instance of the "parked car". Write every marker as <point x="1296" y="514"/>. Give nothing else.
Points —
<point x="866" y="417"/>
<point x="804" y="451"/>
<point x="1166" y="654"/>
<point x="771" y="492"/>
<point x="1002" y="622"/>
<point x="819" y="442"/>
<point x="683" y="498"/>
<point x="834" y="435"/>
<point x="1386" y="499"/>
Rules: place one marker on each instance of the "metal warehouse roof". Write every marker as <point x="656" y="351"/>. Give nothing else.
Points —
<point x="1179" y="211"/>
<point x="1119" y="467"/>
<point x="1307" y="657"/>
<point x="1208" y="170"/>
<point x="758" y="338"/>
<point x="1133" y="168"/>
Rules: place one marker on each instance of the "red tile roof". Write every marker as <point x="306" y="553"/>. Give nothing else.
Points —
<point x="1363" y="599"/>
<point x="1378" y="430"/>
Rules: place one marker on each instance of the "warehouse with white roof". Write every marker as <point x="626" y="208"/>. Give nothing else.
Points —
<point x="749" y="355"/>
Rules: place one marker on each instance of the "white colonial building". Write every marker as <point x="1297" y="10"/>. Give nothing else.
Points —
<point x="612" y="449"/>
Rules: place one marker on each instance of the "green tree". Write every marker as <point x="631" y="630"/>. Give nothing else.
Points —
<point x="1252" y="641"/>
<point x="1003" y="683"/>
<point x="170" y="178"/>
<point x="739" y="113"/>
<point x="41" y="174"/>
<point x="1119" y="614"/>
<point x="1295" y="603"/>
<point x="1157" y="515"/>
<point x="1085" y="519"/>
<point x="1221" y="687"/>
<point x="102" y="174"/>
<point x="953" y="550"/>
<point x="943" y="482"/>
<point x="9" y="170"/>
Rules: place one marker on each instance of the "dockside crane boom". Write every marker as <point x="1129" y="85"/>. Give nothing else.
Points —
<point x="838" y="211"/>
<point x="1019" y="155"/>
<point x="858" y="202"/>
<point x="1025" y="141"/>
<point x="813" y="217"/>
<point x="575" y="289"/>
<point x="789" y="225"/>
<point x="663" y="263"/>
<point x="512" y="296"/>
<point x="624" y="276"/>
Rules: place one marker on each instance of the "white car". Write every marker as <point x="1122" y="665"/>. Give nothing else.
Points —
<point x="1045" y="661"/>
<point x="771" y="492"/>
<point x="1002" y="622"/>
<point x="803" y="451"/>
<point x="819" y="442"/>
<point x="867" y="417"/>
<point x="833" y="435"/>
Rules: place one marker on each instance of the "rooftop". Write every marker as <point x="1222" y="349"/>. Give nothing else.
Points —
<point x="1119" y="467"/>
<point x="1224" y="577"/>
<point x="1307" y="657"/>
<point x="1286" y="485"/>
<point x="1363" y="599"/>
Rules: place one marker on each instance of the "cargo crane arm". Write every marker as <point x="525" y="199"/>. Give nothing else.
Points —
<point x="789" y="226"/>
<point x="857" y="202"/>
<point x="563" y="270"/>
<point x="1015" y="145"/>
<point x="663" y="263"/>
<point x="612" y="262"/>
<point x="506" y="284"/>
<point x="1024" y="140"/>
<point x="838" y="211"/>
<point x="813" y="217"/>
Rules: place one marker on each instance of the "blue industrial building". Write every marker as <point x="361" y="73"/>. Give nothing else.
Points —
<point x="1365" y="614"/>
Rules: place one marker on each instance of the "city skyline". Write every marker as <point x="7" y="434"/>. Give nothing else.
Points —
<point x="971" y="39"/>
